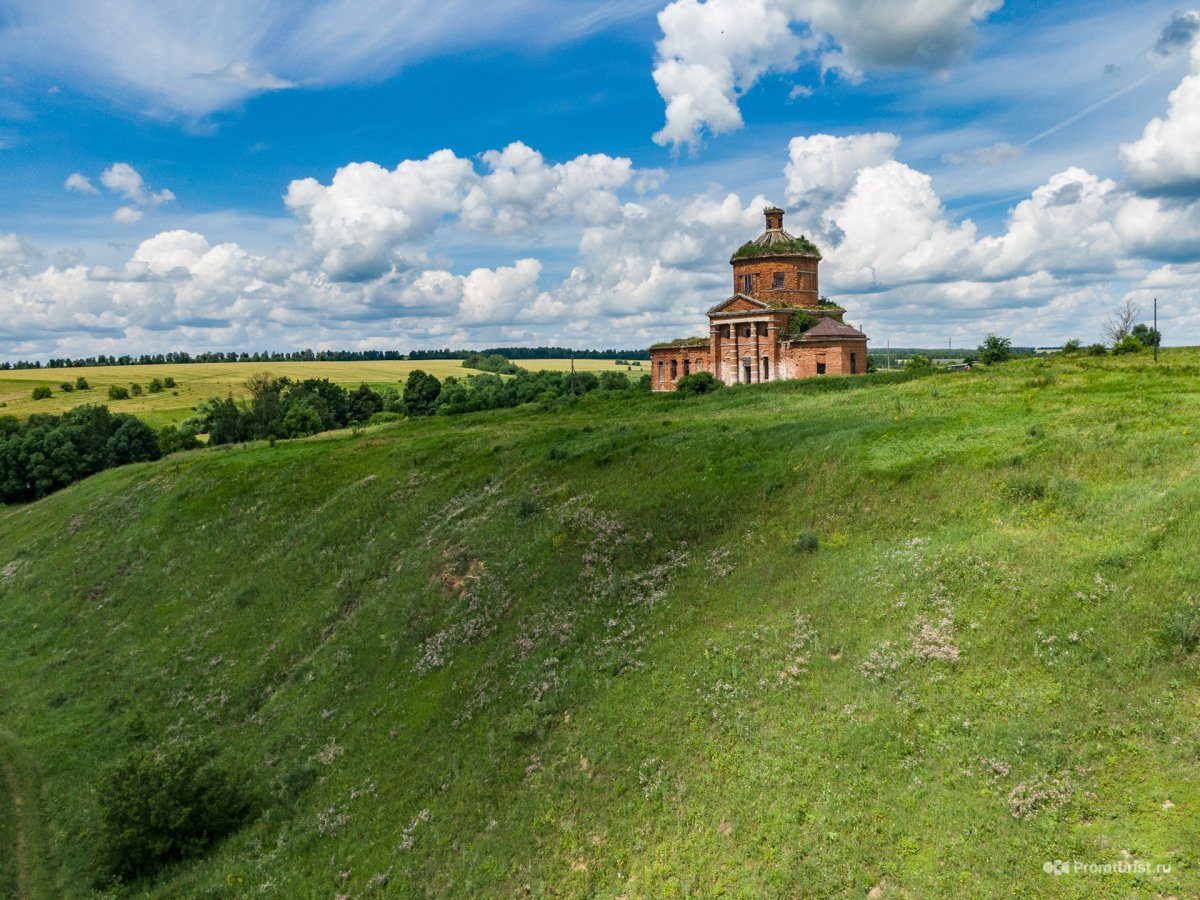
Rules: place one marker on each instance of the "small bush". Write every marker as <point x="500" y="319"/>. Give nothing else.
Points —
<point x="135" y="389"/>
<point x="117" y="392"/>
<point x="1095" y="350"/>
<point x="1128" y="344"/>
<point x="1074" y="345"/>
<point x="1026" y="488"/>
<point x="157" y="806"/>
<point x="916" y="362"/>
<point x="614" y="381"/>
<point x="155" y="386"/>
<point x="66" y="387"/>
<point x="41" y="393"/>
<point x="172" y="438"/>
<point x="698" y="383"/>
<point x="995" y="349"/>
<point x="807" y="541"/>
<point x="81" y="384"/>
<point x="168" y="382"/>
<point x="1183" y="627"/>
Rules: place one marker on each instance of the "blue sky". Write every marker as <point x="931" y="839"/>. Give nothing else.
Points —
<point x="360" y="173"/>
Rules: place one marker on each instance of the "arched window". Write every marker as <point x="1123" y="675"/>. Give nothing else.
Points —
<point x="746" y="331"/>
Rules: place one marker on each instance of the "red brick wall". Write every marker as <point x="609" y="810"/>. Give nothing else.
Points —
<point x="800" y="285"/>
<point x="687" y="360"/>
<point x="800" y="360"/>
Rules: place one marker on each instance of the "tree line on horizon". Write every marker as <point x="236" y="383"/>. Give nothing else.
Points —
<point x="309" y="355"/>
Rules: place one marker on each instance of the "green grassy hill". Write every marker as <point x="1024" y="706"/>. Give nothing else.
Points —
<point x="591" y="651"/>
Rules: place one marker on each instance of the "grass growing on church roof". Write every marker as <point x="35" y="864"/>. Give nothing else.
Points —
<point x="800" y="245"/>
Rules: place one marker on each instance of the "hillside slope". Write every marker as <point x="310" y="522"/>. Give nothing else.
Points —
<point x="591" y="652"/>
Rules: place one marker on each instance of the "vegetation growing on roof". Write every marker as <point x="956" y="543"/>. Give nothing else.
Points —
<point x="798" y="323"/>
<point x="679" y="342"/>
<point x="777" y="248"/>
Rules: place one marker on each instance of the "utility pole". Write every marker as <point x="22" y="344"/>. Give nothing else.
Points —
<point x="1157" y="337"/>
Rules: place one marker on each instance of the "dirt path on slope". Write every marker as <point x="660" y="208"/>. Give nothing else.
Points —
<point x="10" y="771"/>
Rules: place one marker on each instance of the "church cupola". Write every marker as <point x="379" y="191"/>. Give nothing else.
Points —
<point x="777" y="268"/>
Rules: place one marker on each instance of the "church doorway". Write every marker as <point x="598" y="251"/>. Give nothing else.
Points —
<point x="746" y="369"/>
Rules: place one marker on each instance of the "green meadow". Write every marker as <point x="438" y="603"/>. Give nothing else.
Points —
<point x="889" y="635"/>
<point x="198" y="381"/>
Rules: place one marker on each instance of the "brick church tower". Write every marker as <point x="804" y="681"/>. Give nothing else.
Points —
<point x="775" y="326"/>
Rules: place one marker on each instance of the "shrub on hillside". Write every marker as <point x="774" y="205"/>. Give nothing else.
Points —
<point x="157" y="806"/>
<point x="301" y="420"/>
<point x="698" y="383"/>
<point x="614" y="381"/>
<point x="421" y="392"/>
<point x="995" y="349"/>
<point x="81" y="384"/>
<point x="135" y="389"/>
<point x="66" y="387"/>
<point x="155" y="386"/>
<point x="1183" y="627"/>
<point x="918" y="361"/>
<point x="42" y="392"/>
<point x="168" y="382"/>
<point x="807" y="541"/>
<point x="116" y="392"/>
<point x="132" y="440"/>
<point x="1095" y="350"/>
<point x="173" y="438"/>
<point x="363" y="403"/>
<point x="1128" y="344"/>
<point x="1074" y="345"/>
<point x="1145" y="335"/>
<point x="225" y="422"/>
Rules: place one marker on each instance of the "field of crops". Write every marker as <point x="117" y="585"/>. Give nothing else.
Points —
<point x="194" y="382"/>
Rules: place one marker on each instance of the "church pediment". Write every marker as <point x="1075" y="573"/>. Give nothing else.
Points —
<point x="739" y="303"/>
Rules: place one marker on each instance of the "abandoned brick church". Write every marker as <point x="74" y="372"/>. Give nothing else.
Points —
<point x="775" y="326"/>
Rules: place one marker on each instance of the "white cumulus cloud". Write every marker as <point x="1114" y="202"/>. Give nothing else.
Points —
<point x="122" y="178"/>
<point x="711" y="52"/>
<point x="1164" y="159"/>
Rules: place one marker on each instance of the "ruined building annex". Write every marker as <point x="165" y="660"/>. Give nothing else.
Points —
<point x="775" y="326"/>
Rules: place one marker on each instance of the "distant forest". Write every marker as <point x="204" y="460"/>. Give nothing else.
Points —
<point x="938" y="352"/>
<point x="180" y="358"/>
